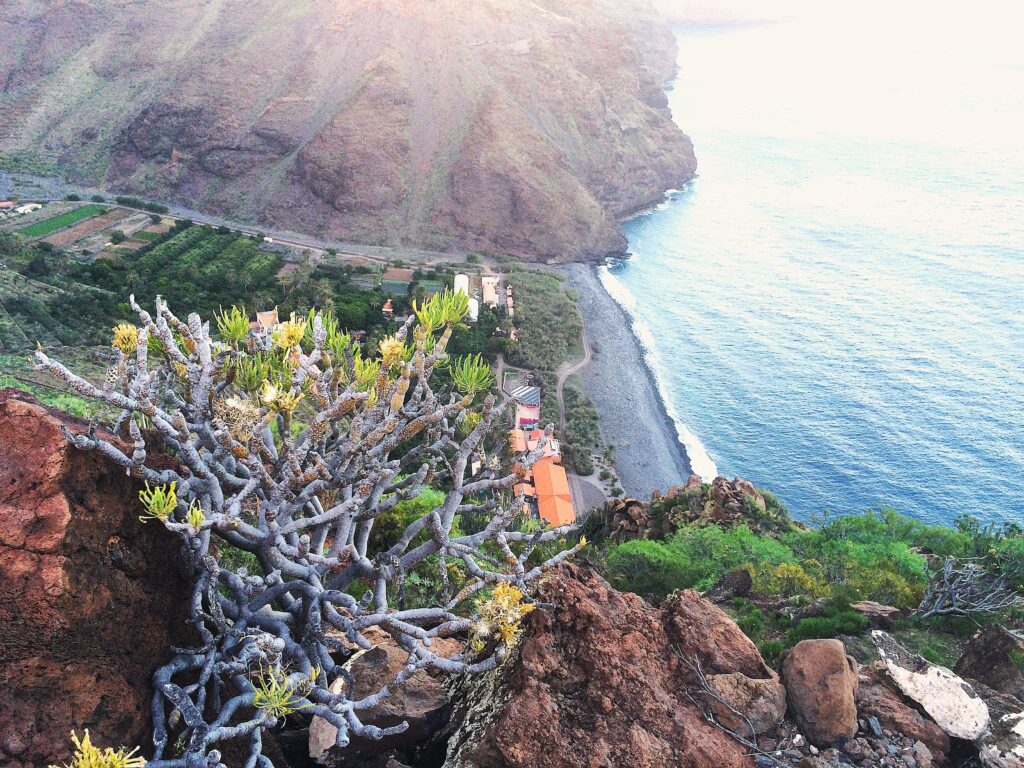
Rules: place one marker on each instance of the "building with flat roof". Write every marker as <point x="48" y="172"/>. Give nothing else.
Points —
<point x="527" y="400"/>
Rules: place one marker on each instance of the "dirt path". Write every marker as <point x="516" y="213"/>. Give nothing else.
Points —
<point x="565" y="370"/>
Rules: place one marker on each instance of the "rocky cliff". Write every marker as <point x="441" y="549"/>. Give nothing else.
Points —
<point x="92" y="598"/>
<point x="524" y="128"/>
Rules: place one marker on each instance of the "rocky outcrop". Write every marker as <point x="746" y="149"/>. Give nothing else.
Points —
<point x="421" y="702"/>
<point x="878" y="698"/>
<point x="747" y="705"/>
<point x="602" y="678"/>
<point x="92" y="598"/>
<point x="949" y="700"/>
<point x="524" y="128"/>
<point x="994" y="656"/>
<point x="821" y="683"/>
<point x="722" y="502"/>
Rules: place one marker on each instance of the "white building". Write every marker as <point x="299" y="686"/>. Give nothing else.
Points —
<point x="489" y="288"/>
<point x="474" y="310"/>
<point x="462" y="283"/>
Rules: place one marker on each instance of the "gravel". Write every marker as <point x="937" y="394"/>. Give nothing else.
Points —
<point x="648" y="454"/>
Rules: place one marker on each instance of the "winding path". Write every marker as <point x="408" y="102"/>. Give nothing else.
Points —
<point x="585" y="494"/>
<point x="565" y="370"/>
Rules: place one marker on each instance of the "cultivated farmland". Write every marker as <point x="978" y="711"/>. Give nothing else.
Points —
<point x="48" y="226"/>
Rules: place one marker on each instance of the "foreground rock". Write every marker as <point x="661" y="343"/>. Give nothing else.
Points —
<point x="421" y="703"/>
<point x="603" y="678"/>
<point x="993" y="657"/>
<point x="821" y="682"/>
<point x="92" y="598"/>
<point x="949" y="700"/>
<point x="879" y="698"/>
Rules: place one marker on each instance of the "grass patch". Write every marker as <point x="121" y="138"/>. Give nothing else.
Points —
<point x="51" y="225"/>
<point x="146" y="236"/>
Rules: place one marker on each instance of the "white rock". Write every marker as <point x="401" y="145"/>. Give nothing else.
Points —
<point x="947" y="698"/>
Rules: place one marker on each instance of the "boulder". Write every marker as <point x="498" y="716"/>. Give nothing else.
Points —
<point x="600" y="678"/>
<point x="878" y="697"/>
<point x="881" y="616"/>
<point x="743" y="703"/>
<point x="1002" y="744"/>
<point x="821" y="683"/>
<point x="421" y="702"/>
<point x="700" y="631"/>
<point x="736" y="583"/>
<point x="993" y="656"/>
<point x="728" y="499"/>
<point x="92" y="598"/>
<point x="949" y="700"/>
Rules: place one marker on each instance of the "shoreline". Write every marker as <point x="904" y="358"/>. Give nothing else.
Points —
<point x="632" y="413"/>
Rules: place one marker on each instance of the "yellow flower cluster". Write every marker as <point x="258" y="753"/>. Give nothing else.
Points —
<point x="87" y="755"/>
<point x="501" y="616"/>
<point x="126" y="338"/>
<point x="289" y="333"/>
<point x="160" y="502"/>
<point x="278" y="399"/>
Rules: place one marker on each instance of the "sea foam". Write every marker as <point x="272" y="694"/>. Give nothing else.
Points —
<point x="700" y="461"/>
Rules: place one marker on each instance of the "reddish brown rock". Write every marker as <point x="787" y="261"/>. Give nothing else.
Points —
<point x="729" y="499"/>
<point x="92" y="598"/>
<point x="421" y="702"/>
<point x="700" y="630"/>
<point x="597" y="682"/>
<point x="747" y="705"/>
<point x="881" y="616"/>
<point x="993" y="657"/>
<point x="878" y="697"/>
<point x="821" y="683"/>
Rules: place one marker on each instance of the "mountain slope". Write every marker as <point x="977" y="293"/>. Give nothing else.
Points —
<point x="508" y="125"/>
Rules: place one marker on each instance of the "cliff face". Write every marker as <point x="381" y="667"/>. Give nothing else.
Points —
<point x="517" y="127"/>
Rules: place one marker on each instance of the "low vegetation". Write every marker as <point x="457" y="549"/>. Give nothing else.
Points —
<point x="804" y="579"/>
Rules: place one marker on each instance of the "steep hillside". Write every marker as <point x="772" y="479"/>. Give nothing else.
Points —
<point x="514" y="126"/>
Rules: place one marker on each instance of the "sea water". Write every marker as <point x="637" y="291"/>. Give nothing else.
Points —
<point x="833" y="307"/>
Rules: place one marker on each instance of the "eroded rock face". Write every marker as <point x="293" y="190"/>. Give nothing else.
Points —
<point x="601" y="678"/>
<point x="821" y="683"/>
<point x="949" y="700"/>
<point x="524" y="128"/>
<point x="992" y="657"/>
<point x="421" y="702"/>
<point x="92" y="598"/>
<point x="878" y="697"/>
<point x="743" y="703"/>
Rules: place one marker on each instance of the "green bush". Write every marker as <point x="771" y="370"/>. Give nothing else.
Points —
<point x="647" y="568"/>
<point x="839" y="619"/>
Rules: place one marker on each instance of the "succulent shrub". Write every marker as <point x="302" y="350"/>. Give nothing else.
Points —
<point x="289" y="447"/>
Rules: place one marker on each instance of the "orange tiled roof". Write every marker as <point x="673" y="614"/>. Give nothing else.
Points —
<point x="554" y="502"/>
<point x="556" y="510"/>
<point x="517" y="438"/>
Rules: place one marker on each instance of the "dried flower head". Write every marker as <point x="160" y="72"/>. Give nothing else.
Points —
<point x="240" y="415"/>
<point x="501" y="616"/>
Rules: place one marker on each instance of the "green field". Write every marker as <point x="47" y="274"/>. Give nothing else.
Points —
<point x="49" y="226"/>
<point x="147" y="236"/>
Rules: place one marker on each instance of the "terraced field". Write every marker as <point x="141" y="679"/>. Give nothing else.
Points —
<point x="51" y="225"/>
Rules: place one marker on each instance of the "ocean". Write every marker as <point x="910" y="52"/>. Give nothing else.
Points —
<point x="833" y="307"/>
